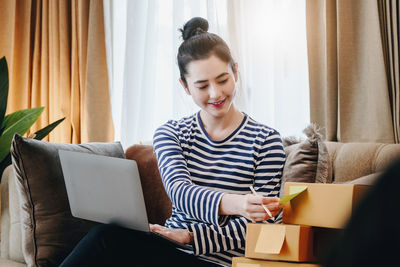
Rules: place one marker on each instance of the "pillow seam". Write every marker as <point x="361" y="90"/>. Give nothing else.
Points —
<point x="31" y="205"/>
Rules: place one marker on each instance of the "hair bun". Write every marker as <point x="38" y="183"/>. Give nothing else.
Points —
<point x="194" y="27"/>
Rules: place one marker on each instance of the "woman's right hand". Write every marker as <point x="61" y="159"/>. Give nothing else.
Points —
<point x="250" y="206"/>
<point x="253" y="207"/>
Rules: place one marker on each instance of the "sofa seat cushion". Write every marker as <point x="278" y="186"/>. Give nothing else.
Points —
<point x="49" y="232"/>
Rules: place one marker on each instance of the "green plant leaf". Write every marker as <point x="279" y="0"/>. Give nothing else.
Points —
<point x="17" y="122"/>
<point x="3" y="89"/>
<point x="39" y="135"/>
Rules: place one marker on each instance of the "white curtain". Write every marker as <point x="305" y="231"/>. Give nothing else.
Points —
<point x="267" y="39"/>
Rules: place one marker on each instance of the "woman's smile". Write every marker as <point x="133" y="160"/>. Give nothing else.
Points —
<point x="218" y="104"/>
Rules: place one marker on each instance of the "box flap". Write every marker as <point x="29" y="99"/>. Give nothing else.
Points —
<point x="270" y="239"/>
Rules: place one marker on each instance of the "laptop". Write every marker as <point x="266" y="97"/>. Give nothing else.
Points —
<point x="106" y="190"/>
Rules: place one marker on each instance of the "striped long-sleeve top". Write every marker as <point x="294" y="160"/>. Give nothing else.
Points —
<point x="196" y="171"/>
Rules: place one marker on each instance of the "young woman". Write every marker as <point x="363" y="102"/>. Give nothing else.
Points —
<point x="207" y="161"/>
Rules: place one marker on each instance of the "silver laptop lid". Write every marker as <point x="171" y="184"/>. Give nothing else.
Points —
<point x="104" y="189"/>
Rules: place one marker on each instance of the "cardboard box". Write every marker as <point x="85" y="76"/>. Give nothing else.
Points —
<point x="279" y="242"/>
<point x="324" y="239"/>
<point x="323" y="205"/>
<point x="245" y="262"/>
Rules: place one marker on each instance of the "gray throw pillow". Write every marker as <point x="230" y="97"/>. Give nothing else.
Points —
<point x="307" y="161"/>
<point x="49" y="232"/>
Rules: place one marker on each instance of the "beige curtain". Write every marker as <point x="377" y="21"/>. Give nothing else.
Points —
<point x="389" y="21"/>
<point x="57" y="59"/>
<point x="349" y="94"/>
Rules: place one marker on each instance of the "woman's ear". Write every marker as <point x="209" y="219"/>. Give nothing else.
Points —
<point x="184" y="85"/>
<point x="235" y="71"/>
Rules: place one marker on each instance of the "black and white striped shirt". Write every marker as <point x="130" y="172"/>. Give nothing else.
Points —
<point x="197" y="170"/>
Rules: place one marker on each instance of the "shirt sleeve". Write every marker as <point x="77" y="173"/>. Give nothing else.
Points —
<point x="208" y="239"/>
<point x="269" y="167"/>
<point x="196" y="201"/>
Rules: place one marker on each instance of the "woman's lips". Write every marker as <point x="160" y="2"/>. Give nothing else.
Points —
<point x="218" y="104"/>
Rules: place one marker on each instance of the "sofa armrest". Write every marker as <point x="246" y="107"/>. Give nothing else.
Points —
<point x="5" y="214"/>
<point x="11" y="238"/>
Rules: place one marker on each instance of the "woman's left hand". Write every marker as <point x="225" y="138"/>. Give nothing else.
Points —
<point x="180" y="235"/>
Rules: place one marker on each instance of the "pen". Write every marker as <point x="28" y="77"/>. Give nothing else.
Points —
<point x="255" y="194"/>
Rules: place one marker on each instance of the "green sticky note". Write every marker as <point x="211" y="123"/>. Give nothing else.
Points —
<point x="297" y="189"/>
<point x="294" y="191"/>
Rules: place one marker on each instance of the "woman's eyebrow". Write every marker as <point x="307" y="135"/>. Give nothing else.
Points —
<point x="201" y="81"/>
<point x="219" y="76"/>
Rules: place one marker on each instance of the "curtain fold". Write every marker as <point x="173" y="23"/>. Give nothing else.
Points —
<point x="57" y="59"/>
<point x="389" y="22"/>
<point x="348" y="88"/>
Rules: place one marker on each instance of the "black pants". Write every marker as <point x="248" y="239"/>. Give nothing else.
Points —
<point x="111" y="245"/>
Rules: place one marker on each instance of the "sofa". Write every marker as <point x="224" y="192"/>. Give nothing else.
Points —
<point x="309" y="160"/>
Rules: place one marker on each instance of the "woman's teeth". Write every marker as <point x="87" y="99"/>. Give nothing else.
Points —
<point x="218" y="104"/>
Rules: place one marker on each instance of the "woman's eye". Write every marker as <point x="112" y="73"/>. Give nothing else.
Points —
<point x="224" y="81"/>
<point x="203" y="87"/>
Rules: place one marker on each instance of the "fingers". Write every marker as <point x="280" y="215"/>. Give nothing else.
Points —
<point x="262" y="200"/>
<point x="161" y="230"/>
<point x="179" y="235"/>
<point x="259" y="217"/>
<point x="258" y="213"/>
<point x="270" y="200"/>
<point x="274" y="207"/>
<point x="254" y="210"/>
<point x="258" y="208"/>
<point x="156" y="227"/>
<point x="263" y="216"/>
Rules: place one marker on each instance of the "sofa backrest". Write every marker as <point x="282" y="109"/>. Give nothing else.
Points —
<point x="347" y="162"/>
<point x="350" y="161"/>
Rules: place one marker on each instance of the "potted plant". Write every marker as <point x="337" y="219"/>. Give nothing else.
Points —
<point x="18" y="122"/>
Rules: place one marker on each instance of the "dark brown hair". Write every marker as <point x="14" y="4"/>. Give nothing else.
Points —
<point x="200" y="44"/>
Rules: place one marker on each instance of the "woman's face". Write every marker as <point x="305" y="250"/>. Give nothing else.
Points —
<point x="211" y="83"/>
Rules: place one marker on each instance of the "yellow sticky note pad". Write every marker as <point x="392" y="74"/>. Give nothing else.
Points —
<point x="294" y="191"/>
<point x="270" y="240"/>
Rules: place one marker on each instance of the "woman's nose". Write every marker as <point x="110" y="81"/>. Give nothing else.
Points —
<point x="214" y="91"/>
